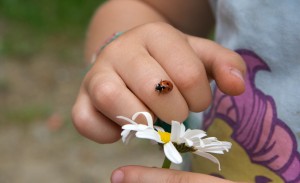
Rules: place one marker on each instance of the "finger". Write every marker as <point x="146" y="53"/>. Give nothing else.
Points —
<point x="225" y="66"/>
<point x="92" y="124"/>
<point x="139" y="174"/>
<point x="167" y="107"/>
<point x="141" y="73"/>
<point x="182" y="65"/>
<point x="111" y="96"/>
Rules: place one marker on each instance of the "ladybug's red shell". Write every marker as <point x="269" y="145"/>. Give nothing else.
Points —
<point x="164" y="86"/>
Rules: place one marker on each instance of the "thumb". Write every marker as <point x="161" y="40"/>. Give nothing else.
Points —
<point x="225" y="66"/>
<point x="139" y="174"/>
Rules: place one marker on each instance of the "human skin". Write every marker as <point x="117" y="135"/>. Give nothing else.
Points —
<point x="161" y="40"/>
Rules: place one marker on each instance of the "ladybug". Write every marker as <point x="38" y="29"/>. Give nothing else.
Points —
<point x="164" y="86"/>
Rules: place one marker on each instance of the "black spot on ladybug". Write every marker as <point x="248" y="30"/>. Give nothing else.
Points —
<point x="164" y="86"/>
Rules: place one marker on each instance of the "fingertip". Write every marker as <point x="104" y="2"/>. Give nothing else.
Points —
<point x="92" y="124"/>
<point x="237" y="73"/>
<point x="117" y="176"/>
<point x="231" y="81"/>
<point x="238" y="82"/>
<point x="96" y="127"/>
<point x="134" y="173"/>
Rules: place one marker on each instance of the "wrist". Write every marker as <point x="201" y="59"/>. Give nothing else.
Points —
<point x="107" y="42"/>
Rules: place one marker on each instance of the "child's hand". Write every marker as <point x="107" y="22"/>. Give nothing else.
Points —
<point x="122" y="81"/>
<point x="139" y="174"/>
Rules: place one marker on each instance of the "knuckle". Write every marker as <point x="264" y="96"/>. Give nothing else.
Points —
<point x="158" y="29"/>
<point x="192" y="76"/>
<point x="112" y="49"/>
<point x="157" y="26"/>
<point x="114" y="45"/>
<point x="190" y="82"/>
<point x="105" y="93"/>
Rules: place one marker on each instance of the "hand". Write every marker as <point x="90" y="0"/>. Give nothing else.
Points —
<point x="122" y="81"/>
<point x="138" y="174"/>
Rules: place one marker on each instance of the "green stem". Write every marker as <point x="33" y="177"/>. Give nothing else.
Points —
<point x="166" y="163"/>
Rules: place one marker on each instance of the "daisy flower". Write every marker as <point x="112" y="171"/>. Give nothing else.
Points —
<point x="130" y="129"/>
<point x="178" y="141"/>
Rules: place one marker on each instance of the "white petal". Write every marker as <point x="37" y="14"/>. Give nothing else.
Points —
<point x="147" y="116"/>
<point x="127" y="119"/>
<point x="194" y="134"/>
<point x="124" y="135"/>
<point x="149" y="134"/>
<point x="137" y="127"/>
<point x="172" y="154"/>
<point x="226" y="145"/>
<point x="175" y="131"/>
<point x="209" y="156"/>
<point x="182" y="129"/>
<point x="216" y="148"/>
<point x="209" y="140"/>
<point x="128" y="138"/>
<point x="215" y="151"/>
<point x="158" y="128"/>
<point x="129" y="127"/>
<point x="188" y="142"/>
<point x="125" y="132"/>
<point x="199" y="143"/>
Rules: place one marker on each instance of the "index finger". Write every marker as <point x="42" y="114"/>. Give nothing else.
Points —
<point x="170" y="48"/>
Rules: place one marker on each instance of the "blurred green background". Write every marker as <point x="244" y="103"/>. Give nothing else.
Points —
<point x="41" y="42"/>
<point x="41" y="68"/>
<point x="28" y="24"/>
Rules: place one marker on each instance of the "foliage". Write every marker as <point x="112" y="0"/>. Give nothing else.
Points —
<point x="26" y="25"/>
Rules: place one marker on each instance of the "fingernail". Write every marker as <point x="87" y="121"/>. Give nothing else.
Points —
<point x="237" y="73"/>
<point x="117" y="176"/>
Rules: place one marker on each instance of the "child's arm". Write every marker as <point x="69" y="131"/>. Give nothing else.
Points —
<point x="190" y="16"/>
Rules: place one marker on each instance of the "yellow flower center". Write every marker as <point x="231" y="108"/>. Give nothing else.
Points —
<point x="165" y="136"/>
